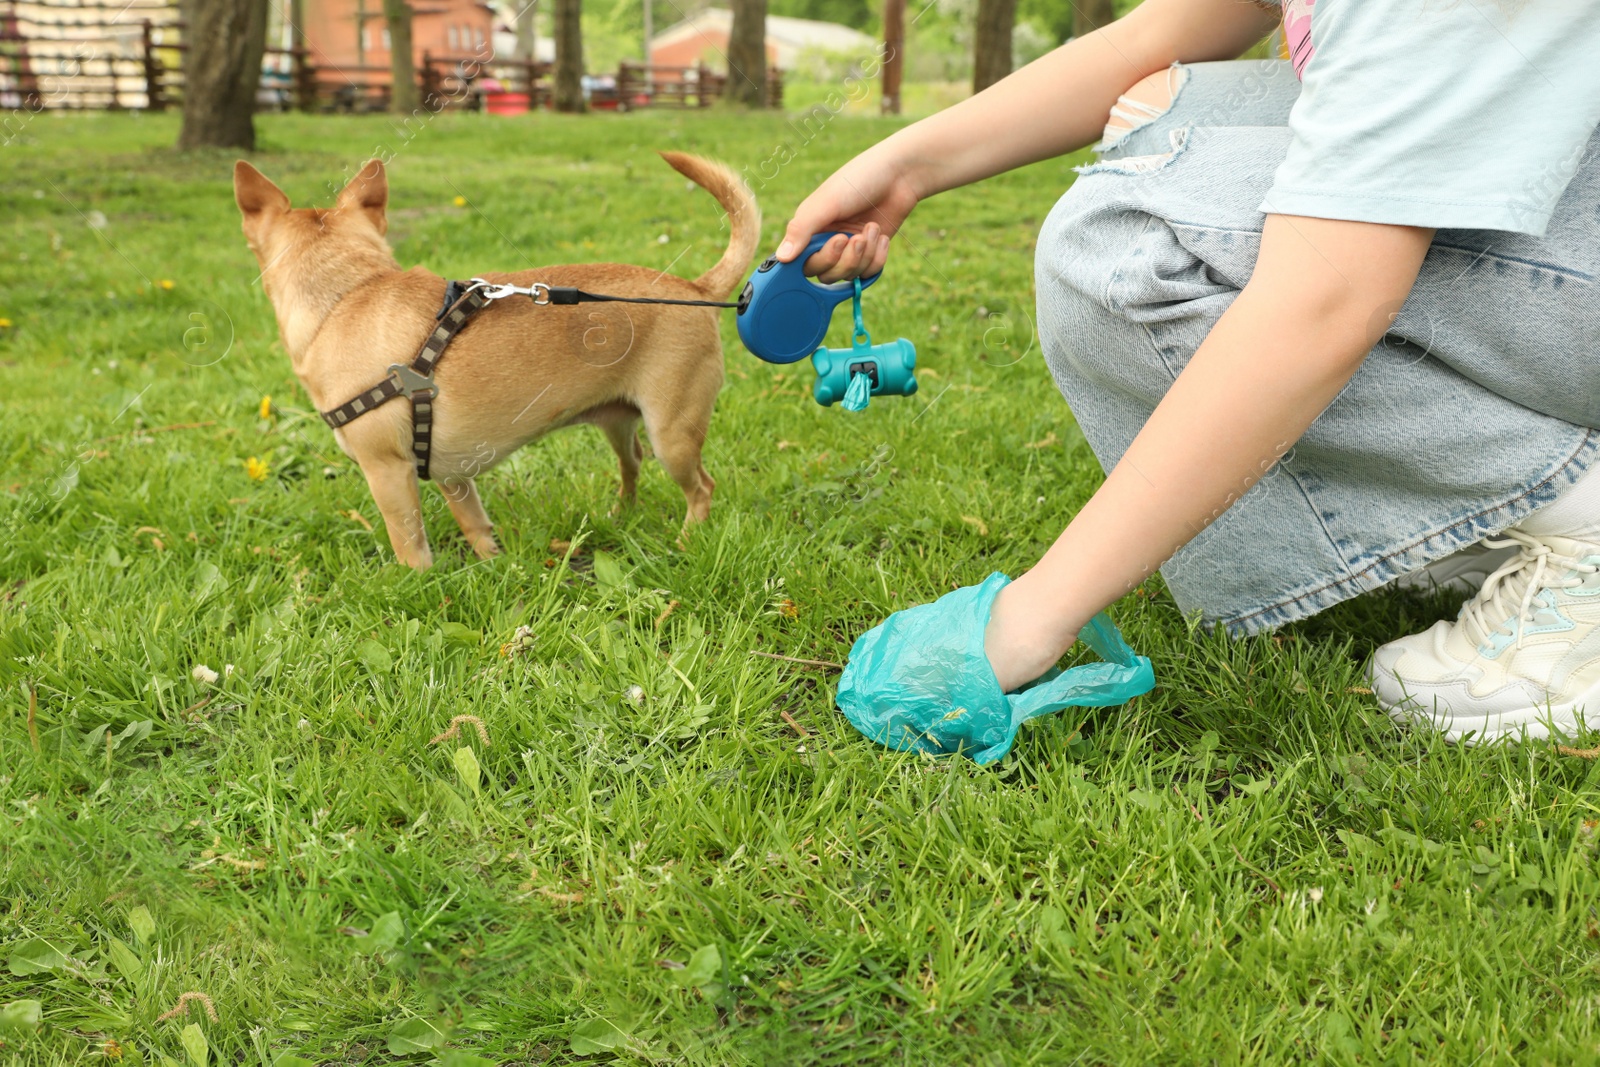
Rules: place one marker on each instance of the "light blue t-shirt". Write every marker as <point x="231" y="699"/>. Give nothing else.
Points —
<point x="1460" y="114"/>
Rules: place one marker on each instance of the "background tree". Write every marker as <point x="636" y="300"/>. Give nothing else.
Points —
<point x="527" y="31"/>
<point x="991" y="49"/>
<point x="222" y="73"/>
<point x="894" y="55"/>
<point x="305" y="93"/>
<point x="403" y="96"/>
<point x="568" y="33"/>
<point x="747" y="54"/>
<point x="1090" y="15"/>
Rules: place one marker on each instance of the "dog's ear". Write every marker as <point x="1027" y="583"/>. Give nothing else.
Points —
<point x="255" y="192"/>
<point x="368" y="192"/>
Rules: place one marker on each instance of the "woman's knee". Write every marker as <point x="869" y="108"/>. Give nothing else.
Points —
<point x="1230" y="93"/>
<point x="1147" y="101"/>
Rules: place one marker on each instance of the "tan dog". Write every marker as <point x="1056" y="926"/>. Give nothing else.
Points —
<point x="346" y="312"/>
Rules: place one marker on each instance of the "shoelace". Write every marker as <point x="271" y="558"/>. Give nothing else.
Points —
<point x="1532" y="565"/>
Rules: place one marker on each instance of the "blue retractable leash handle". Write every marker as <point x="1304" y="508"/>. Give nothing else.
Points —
<point x="783" y="316"/>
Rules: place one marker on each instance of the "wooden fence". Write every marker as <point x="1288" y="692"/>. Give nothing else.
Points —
<point x="89" y="55"/>
<point x="642" y="84"/>
<point x="108" y="56"/>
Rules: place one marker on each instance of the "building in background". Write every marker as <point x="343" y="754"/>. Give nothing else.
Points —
<point x="703" y="38"/>
<point x="352" y="33"/>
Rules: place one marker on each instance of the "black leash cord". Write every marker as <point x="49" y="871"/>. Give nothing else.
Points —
<point x="570" y="295"/>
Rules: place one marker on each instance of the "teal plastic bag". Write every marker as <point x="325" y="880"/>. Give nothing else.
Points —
<point x="858" y="393"/>
<point x="920" y="680"/>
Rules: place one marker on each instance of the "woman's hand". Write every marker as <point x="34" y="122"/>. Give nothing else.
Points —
<point x="870" y="197"/>
<point x="1023" y="638"/>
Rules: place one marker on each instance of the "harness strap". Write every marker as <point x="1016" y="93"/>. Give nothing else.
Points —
<point x="377" y="396"/>
<point x="415" y="382"/>
<point x="451" y="323"/>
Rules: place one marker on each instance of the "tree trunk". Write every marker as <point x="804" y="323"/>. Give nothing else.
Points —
<point x="186" y="16"/>
<point x="527" y="31"/>
<point x="991" y="51"/>
<point x="403" y="96"/>
<point x="747" y="55"/>
<point x="222" y="73"/>
<point x="305" y="96"/>
<point x="569" y="55"/>
<point x="894" y="47"/>
<point x="1090" y="15"/>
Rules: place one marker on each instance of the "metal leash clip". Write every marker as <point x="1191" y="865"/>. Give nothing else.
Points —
<point x="538" y="291"/>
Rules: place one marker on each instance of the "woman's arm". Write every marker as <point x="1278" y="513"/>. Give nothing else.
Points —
<point x="1057" y="104"/>
<point x="1322" y="294"/>
<point x="1060" y="103"/>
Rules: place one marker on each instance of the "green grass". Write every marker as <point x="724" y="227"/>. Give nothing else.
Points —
<point x="1250" y="865"/>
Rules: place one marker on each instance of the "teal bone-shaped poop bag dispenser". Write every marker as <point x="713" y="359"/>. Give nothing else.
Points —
<point x="864" y="370"/>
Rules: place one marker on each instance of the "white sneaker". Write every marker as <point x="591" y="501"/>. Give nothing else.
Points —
<point x="1521" y="660"/>
<point x="1461" y="572"/>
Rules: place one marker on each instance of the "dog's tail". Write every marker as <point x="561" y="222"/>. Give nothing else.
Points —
<point x="743" y="215"/>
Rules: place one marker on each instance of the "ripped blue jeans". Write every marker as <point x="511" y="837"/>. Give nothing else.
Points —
<point x="1479" y="406"/>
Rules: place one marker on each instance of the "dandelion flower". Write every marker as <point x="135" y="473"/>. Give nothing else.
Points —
<point x="204" y="675"/>
<point x="461" y="201"/>
<point x="257" y="469"/>
<point x="266" y="407"/>
<point x="168" y="284"/>
<point x="5" y="324"/>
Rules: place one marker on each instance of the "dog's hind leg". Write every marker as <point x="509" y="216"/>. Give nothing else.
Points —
<point x="394" y="487"/>
<point x="621" y="428"/>
<point x="678" y="436"/>
<point x="467" y="507"/>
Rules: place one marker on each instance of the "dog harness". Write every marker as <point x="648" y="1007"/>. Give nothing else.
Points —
<point x="415" y="381"/>
<point x="462" y="301"/>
